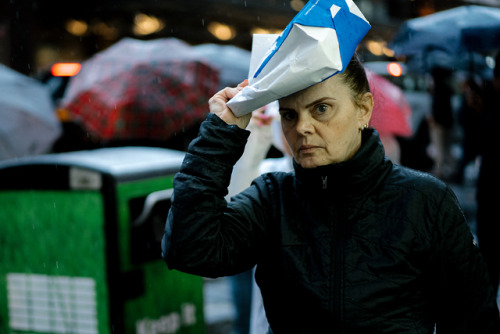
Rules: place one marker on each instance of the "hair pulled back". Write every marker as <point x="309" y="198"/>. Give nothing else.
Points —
<point x="355" y="78"/>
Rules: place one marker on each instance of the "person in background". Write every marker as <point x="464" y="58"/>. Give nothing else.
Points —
<point x="244" y="171"/>
<point x="442" y="121"/>
<point x="265" y="131"/>
<point x="258" y="320"/>
<point x="470" y="120"/>
<point x="347" y="243"/>
<point x="488" y="223"/>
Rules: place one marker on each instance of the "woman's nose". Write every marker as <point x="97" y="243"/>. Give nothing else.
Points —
<point x="305" y="125"/>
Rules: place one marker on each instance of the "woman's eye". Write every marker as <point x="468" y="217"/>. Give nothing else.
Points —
<point x="288" y="115"/>
<point x="321" y="108"/>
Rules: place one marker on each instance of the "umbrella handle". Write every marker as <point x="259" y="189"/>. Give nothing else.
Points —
<point x="149" y="204"/>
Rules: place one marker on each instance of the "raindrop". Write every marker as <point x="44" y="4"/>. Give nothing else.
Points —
<point x="245" y="3"/>
<point x="202" y="22"/>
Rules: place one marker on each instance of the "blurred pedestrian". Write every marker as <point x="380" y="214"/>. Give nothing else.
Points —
<point x="244" y="171"/>
<point x="265" y="131"/>
<point x="488" y="199"/>
<point x="442" y="121"/>
<point x="258" y="319"/>
<point x="348" y="242"/>
<point x="470" y="120"/>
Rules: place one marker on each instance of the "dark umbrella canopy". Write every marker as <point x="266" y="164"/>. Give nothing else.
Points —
<point x="455" y="32"/>
<point x="141" y="90"/>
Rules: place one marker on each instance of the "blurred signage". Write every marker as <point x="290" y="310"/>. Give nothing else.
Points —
<point x="65" y="69"/>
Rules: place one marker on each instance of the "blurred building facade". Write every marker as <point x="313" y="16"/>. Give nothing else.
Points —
<point x="34" y="34"/>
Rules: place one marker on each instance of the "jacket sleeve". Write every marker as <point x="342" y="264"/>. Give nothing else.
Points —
<point x="204" y="234"/>
<point x="465" y="300"/>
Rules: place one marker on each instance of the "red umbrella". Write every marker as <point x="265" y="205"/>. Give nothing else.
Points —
<point x="141" y="90"/>
<point x="391" y="111"/>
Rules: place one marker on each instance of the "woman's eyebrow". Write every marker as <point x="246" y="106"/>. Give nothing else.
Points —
<point x="319" y="100"/>
<point x="286" y="109"/>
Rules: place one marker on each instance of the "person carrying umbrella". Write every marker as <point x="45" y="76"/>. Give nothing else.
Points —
<point x="347" y="243"/>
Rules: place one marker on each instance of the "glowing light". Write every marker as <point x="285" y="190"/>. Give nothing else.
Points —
<point x="222" y="31"/>
<point x="259" y="30"/>
<point x="379" y="48"/>
<point x="107" y="31"/>
<point x="375" y="47"/>
<point x="388" y="52"/>
<point x="296" y="5"/>
<point x="76" y="27"/>
<point x="65" y="69"/>
<point x="146" y="24"/>
<point x="394" y="69"/>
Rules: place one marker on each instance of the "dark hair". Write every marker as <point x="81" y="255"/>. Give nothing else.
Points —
<point x="355" y="77"/>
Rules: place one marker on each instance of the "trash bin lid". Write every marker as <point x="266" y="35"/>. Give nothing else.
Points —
<point x="121" y="162"/>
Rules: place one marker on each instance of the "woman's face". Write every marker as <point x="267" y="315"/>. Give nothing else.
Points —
<point x="322" y="123"/>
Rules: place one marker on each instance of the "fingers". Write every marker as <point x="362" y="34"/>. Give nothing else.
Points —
<point x="217" y="104"/>
<point x="243" y="84"/>
<point x="228" y="93"/>
<point x="231" y="92"/>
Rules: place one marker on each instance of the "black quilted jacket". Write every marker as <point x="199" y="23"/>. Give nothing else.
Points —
<point x="363" y="246"/>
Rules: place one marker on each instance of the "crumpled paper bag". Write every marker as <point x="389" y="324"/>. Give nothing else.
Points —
<point x="319" y="42"/>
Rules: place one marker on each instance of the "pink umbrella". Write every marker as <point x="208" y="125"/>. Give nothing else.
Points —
<point x="391" y="111"/>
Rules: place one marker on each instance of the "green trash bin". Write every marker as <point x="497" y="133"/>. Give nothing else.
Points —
<point x="80" y="245"/>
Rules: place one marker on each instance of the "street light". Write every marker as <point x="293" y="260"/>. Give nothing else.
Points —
<point x="222" y="31"/>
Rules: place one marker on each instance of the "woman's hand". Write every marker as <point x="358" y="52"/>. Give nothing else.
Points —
<point x="217" y="105"/>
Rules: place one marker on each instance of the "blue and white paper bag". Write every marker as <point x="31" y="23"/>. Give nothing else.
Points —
<point x="319" y="42"/>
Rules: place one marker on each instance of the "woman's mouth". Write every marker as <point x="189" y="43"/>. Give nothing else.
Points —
<point x="305" y="149"/>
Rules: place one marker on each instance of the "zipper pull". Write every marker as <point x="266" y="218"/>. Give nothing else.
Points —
<point x="325" y="181"/>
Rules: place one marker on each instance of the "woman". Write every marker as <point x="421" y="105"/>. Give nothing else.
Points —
<point x="348" y="243"/>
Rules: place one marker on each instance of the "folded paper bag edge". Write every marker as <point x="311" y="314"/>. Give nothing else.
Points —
<point x="245" y="102"/>
<point x="258" y="94"/>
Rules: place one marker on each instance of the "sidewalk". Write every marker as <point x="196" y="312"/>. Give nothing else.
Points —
<point x="219" y="308"/>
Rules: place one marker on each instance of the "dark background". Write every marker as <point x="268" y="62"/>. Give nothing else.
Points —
<point x="33" y="34"/>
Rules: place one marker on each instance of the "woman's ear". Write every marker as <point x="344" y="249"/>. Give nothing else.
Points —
<point x="365" y="104"/>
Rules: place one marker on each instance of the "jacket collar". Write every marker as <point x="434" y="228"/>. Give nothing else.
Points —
<point x="353" y="178"/>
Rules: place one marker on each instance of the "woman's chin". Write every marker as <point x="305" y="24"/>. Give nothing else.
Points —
<point x="308" y="163"/>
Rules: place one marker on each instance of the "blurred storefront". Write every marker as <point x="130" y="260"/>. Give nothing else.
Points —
<point x="36" y="34"/>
